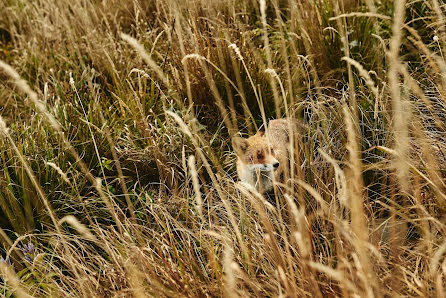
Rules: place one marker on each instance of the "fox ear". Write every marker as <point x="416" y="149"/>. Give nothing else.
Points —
<point x="240" y="145"/>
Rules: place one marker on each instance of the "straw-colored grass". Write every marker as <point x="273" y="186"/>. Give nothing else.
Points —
<point x="117" y="177"/>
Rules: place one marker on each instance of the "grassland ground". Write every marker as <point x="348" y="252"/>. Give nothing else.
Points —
<point x="117" y="176"/>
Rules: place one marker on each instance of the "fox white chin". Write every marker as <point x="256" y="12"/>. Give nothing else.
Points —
<point x="259" y="175"/>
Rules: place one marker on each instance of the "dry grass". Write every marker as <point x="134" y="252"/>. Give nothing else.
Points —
<point x="117" y="176"/>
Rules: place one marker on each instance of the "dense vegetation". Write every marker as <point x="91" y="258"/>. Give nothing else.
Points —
<point x="117" y="177"/>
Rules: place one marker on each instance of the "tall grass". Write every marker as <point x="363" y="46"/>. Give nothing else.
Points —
<point x="116" y="172"/>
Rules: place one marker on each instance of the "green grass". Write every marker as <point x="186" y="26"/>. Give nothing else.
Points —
<point x="116" y="163"/>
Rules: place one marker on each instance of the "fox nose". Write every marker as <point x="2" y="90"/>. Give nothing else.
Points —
<point x="276" y="165"/>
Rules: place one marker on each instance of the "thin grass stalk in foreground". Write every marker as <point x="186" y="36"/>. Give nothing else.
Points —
<point x="78" y="226"/>
<point x="135" y="278"/>
<point x="400" y="114"/>
<point x="356" y="203"/>
<point x="360" y="14"/>
<point x="196" y="185"/>
<point x="229" y="274"/>
<point x="10" y="278"/>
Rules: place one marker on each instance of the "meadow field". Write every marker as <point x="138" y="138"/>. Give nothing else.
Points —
<point x="117" y="176"/>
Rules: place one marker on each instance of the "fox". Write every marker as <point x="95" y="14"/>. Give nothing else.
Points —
<point x="264" y="157"/>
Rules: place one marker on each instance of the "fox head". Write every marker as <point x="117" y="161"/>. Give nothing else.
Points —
<point x="256" y="153"/>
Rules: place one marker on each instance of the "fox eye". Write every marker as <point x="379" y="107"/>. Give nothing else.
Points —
<point x="272" y="150"/>
<point x="259" y="155"/>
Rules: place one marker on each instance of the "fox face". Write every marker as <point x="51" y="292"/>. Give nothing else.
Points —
<point x="265" y="156"/>
<point x="256" y="161"/>
<point x="255" y="152"/>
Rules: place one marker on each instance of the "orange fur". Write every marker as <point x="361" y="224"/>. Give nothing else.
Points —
<point x="264" y="156"/>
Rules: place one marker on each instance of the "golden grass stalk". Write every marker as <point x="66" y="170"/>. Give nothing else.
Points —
<point x="196" y="185"/>
<point x="355" y="188"/>
<point x="360" y="14"/>
<point x="11" y="278"/>
<point x="400" y="109"/>
<point x="335" y="274"/>
<point x="59" y="171"/>
<point x="78" y="226"/>
<point x="401" y="117"/>
<point x="303" y="240"/>
<point x="229" y="273"/>
<point x="136" y="279"/>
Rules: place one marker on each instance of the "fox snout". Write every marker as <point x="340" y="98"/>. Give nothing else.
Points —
<point x="272" y="165"/>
